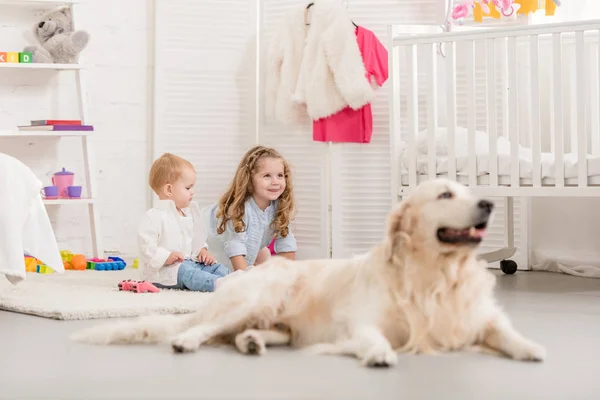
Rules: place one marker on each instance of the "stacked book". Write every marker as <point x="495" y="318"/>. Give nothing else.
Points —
<point x="56" y="125"/>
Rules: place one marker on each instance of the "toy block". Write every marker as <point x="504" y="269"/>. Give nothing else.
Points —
<point x="30" y="264"/>
<point x="12" y="57"/>
<point x="66" y="255"/>
<point x="25" y="57"/>
<point x="136" y="264"/>
<point x="44" y="269"/>
<point x="2" y="57"/>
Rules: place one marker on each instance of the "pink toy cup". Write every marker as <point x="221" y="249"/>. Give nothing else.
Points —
<point x="74" y="191"/>
<point x="63" y="179"/>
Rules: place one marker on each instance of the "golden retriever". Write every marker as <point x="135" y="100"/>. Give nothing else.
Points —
<point x="421" y="290"/>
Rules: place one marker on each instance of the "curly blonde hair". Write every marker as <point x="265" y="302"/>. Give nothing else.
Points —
<point x="231" y="203"/>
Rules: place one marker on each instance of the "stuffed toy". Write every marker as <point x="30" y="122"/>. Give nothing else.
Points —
<point x="59" y="43"/>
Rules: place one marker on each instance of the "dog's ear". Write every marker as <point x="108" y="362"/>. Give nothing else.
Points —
<point x="400" y="228"/>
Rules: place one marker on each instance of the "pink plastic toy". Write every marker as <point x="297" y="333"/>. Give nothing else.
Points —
<point x="144" y="287"/>
<point x="125" y="285"/>
<point x="137" y="286"/>
<point x="63" y="179"/>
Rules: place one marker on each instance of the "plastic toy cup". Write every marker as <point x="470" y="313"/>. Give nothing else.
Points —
<point x="50" y="191"/>
<point x="74" y="191"/>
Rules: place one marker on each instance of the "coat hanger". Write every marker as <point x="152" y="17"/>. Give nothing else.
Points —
<point x="312" y="4"/>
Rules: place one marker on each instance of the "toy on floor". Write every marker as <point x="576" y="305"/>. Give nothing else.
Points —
<point x="32" y="264"/>
<point x="79" y="262"/>
<point x="136" y="264"/>
<point x="137" y="286"/>
<point x="110" y="264"/>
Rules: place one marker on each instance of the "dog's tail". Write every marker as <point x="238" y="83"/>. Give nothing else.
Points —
<point x="149" y="330"/>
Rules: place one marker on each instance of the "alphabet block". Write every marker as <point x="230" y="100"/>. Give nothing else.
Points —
<point x="12" y="57"/>
<point x="3" y="57"/>
<point x="25" y="57"/>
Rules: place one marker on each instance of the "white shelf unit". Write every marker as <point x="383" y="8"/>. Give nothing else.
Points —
<point x="42" y="134"/>
<point x="58" y="67"/>
<point x="39" y="3"/>
<point x="79" y="71"/>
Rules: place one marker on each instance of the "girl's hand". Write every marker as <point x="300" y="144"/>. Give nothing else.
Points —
<point x="205" y="257"/>
<point x="174" y="257"/>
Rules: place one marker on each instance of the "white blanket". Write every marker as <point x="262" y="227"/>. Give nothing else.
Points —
<point x="461" y="152"/>
<point x="24" y="223"/>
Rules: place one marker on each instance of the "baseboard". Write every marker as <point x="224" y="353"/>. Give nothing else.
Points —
<point x="566" y="256"/>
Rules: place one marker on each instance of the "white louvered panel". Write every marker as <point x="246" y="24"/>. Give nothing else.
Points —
<point x="361" y="172"/>
<point x="205" y="87"/>
<point x="308" y="159"/>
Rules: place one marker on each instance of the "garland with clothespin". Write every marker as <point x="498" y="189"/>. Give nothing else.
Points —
<point x="503" y="9"/>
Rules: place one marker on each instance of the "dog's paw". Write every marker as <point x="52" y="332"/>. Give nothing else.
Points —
<point x="250" y="342"/>
<point x="528" y="351"/>
<point x="185" y="344"/>
<point x="380" y="357"/>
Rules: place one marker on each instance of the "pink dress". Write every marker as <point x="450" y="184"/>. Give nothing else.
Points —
<point x="350" y="125"/>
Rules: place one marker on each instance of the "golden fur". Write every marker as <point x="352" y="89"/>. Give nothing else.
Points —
<point x="411" y="293"/>
<point x="231" y="203"/>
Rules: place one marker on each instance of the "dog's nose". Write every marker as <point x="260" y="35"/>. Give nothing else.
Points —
<point x="41" y="24"/>
<point x="485" y="205"/>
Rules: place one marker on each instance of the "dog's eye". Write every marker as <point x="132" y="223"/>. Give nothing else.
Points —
<point x="445" y="195"/>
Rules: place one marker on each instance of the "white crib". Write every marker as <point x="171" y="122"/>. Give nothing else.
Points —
<point x="510" y="112"/>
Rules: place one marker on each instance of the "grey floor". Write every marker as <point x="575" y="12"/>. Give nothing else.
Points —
<point x="38" y="362"/>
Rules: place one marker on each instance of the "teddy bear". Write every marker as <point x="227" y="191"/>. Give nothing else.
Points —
<point x="59" y="43"/>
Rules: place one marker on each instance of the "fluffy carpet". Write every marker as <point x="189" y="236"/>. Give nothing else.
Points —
<point x="91" y="294"/>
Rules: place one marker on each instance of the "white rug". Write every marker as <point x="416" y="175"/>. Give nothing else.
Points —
<point x="89" y="295"/>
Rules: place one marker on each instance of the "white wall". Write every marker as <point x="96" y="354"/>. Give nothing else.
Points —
<point x="119" y="97"/>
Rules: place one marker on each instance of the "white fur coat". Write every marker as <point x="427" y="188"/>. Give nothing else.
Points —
<point x="315" y="70"/>
<point x="283" y="60"/>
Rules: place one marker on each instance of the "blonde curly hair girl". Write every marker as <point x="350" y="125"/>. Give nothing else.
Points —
<point x="231" y="203"/>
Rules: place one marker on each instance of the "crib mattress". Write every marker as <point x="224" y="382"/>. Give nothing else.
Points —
<point x="548" y="169"/>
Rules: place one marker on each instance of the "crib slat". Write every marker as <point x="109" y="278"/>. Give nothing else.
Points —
<point x="558" y="109"/>
<point x="595" y="100"/>
<point x="580" y="61"/>
<point x="491" y="111"/>
<point x="412" y="102"/>
<point x="513" y="112"/>
<point x="572" y="85"/>
<point x="471" y="110"/>
<point x="534" y="117"/>
<point x="451" y="93"/>
<point x="504" y="107"/>
<point x="432" y="111"/>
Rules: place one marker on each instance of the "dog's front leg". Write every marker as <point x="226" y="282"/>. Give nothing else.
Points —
<point x="367" y="343"/>
<point x="500" y="335"/>
<point x="255" y="341"/>
<point x="191" y="340"/>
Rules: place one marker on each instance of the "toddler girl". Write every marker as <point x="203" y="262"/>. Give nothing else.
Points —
<point x="256" y="208"/>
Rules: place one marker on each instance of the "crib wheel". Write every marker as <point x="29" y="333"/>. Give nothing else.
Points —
<point x="509" y="267"/>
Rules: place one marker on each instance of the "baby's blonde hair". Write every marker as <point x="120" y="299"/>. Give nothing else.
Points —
<point x="231" y="204"/>
<point x="167" y="169"/>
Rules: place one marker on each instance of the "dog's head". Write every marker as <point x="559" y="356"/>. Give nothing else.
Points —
<point x="440" y="216"/>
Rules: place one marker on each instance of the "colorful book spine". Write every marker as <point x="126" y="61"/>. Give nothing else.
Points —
<point x="56" y="122"/>
<point x="57" y="128"/>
